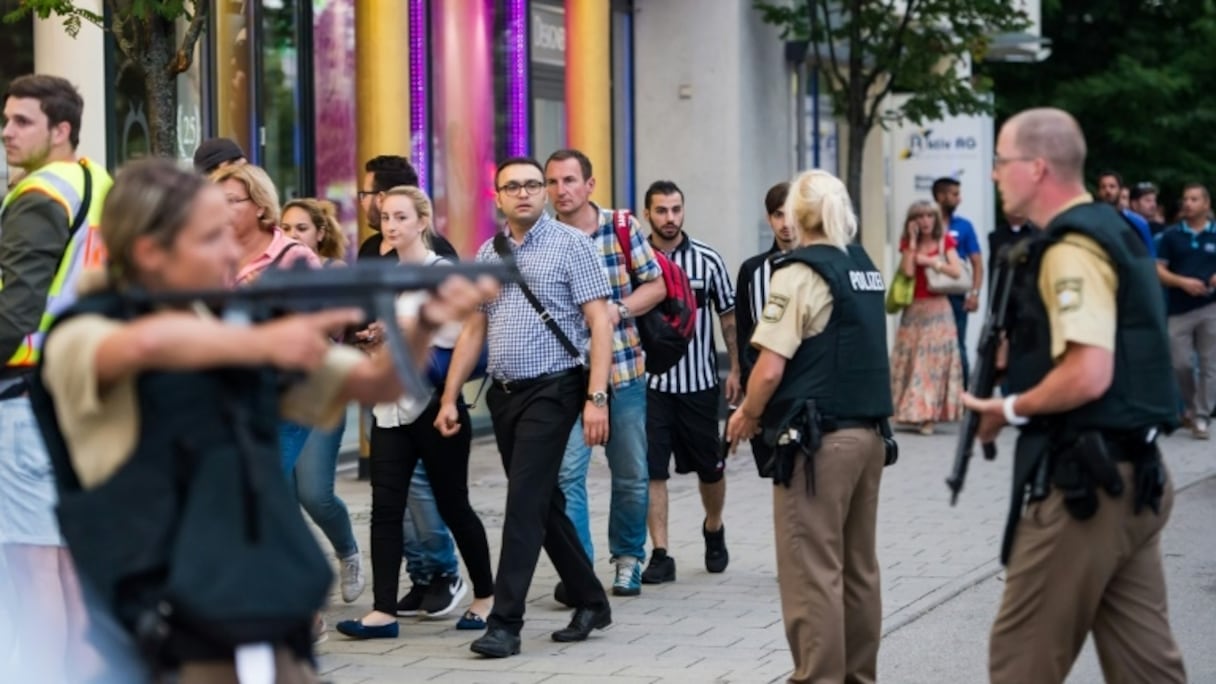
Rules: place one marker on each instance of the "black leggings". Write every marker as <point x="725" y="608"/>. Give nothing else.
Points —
<point x="394" y="455"/>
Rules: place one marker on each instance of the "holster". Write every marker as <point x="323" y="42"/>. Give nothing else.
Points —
<point x="1081" y="465"/>
<point x="795" y="434"/>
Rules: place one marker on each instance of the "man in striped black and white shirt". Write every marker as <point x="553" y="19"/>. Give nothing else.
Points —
<point x="682" y="404"/>
<point x="752" y="293"/>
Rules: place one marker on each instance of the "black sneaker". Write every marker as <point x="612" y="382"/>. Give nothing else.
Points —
<point x="716" y="555"/>
<point x="445" y="593"/>
<point x="411" y="605"/>
<point x="662" y="568"/>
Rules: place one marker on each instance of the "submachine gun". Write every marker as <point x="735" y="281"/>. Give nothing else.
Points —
<point x="984" y="371"/>
<point x="372" y="286"/>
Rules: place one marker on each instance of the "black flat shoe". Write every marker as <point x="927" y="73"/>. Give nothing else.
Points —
<point x="584" y="620"/>
<point x="496" y="643"/>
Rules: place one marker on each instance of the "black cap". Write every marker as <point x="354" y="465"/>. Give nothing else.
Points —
<point x="1141" y="189"/>
<point x="214" y="152"/>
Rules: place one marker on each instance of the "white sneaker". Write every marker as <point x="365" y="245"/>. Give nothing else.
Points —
<point x="1200" y="431"/>
<point x="352" y="581"/>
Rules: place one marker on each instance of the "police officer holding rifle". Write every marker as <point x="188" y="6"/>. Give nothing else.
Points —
<point x="1090" y="390"/>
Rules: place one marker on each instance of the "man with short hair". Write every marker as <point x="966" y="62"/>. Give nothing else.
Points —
<point x="1110" y="190"/>
<point x="1186" y="265"/>
<point x="751" y="288"/>
<point x="946" y="192"/>
<point x="49" y="237"/>
<point x="1091" y="389"/>
<point x="682" y="404"/>
<point x="217" y="153"/>
<point x="381" y="174"/>
<point x="1143" y="201"/>
<point x="540" y="386"/>
<point x="635" y="291"/>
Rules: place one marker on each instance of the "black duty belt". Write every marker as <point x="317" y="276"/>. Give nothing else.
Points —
<point x="17" y="389"/>
<point x="834" y="424"/>
<point x="511" y="386"/>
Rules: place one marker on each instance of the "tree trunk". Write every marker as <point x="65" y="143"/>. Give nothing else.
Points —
<point x="161" y="86"/>
<point x="857" y="148"/>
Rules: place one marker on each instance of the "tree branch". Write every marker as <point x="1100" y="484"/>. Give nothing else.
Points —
<point x="897" y="48"/>
<point x="122" y="38"/>
<point x="833" y="71"/>
<point x="185" y="52"/>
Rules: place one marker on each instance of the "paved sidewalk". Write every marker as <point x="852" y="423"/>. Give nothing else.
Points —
<point x="710" y="628"/>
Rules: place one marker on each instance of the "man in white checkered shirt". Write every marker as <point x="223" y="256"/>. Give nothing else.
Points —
<point x="541" y="385"/>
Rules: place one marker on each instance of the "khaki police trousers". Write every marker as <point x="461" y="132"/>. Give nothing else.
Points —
<point x="827" y="566"/>
<point x="1067" y="578"/>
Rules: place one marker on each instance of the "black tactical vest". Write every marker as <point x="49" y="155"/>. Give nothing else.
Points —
<point x="1143" y="392"/>
<point x="844" y="368"/>
<point x="195" y="542"/>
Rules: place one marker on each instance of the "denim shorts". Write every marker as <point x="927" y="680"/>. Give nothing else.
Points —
<point x="27" y="482"/>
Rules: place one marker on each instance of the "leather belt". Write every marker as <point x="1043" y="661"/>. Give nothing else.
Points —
<point x="509" y="386"/>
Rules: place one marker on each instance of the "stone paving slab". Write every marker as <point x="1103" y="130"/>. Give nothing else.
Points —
<point x="704" y="627"/>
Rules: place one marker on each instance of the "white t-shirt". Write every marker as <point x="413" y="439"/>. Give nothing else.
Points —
<point x="406" y="409"/>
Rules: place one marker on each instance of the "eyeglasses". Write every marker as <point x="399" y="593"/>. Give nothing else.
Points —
<point x="998" y="161"/>
<point x="364" y="194"/>
<point x="529" y="187"/>
<point x="233" y="201"/>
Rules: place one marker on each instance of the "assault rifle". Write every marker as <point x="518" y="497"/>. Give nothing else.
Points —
<point x="984" y="372"/>
<point x="372" y="286"/>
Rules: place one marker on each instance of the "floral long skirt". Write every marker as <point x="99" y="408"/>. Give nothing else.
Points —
<point x="926" y="369"/>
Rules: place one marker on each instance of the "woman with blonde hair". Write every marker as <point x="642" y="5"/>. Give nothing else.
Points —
<point x="405" y="434"/>
<point x="926" y="368"/>
<point x="314" y="224"/>
<point x="822" y="339"/>
<point x="253" y="207"/>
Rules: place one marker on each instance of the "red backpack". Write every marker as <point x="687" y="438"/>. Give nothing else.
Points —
<point x="666" y="329"/>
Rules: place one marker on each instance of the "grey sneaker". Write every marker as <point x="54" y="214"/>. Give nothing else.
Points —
<point x="628" y="580"/>
<point x="351" y="577"/>
<point x="1200" y="431"/>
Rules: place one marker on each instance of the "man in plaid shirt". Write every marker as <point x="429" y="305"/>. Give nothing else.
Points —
<point x="569" y="179"/>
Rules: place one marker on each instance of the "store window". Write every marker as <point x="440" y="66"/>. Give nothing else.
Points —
<point x="286" y="95"/>
<point x="624" y="185"/>
<point x="232" y="91"/>
<point x="334" y="97"/>
<point x="547" y="29"/>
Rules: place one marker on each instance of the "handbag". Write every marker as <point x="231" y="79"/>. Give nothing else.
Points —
<point x="943" y="284"/>
<point x="899" y="297"/>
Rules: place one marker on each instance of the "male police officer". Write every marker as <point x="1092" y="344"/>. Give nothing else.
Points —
<point x="1085" y="554"/>
<point x="822" y="383"/>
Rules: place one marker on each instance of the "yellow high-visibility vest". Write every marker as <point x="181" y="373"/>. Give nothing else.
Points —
<point x="64" y="183"/>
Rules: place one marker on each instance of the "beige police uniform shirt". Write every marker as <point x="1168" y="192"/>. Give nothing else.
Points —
<point x="101" y="429"/>
<point x="799" y="306"/>
<point x="1078" y="283"/>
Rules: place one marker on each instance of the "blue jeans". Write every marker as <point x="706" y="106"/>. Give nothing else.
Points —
<point x="626" y="451"/>
<point x="291" y="441"/>
<point x="428" y="547"/>
<point x="312" y="481"/>
<point x="958" y="304"/>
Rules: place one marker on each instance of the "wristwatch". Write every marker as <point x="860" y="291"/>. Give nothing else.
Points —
<point x="598" y="399"/>
<point x="623" y="310"/>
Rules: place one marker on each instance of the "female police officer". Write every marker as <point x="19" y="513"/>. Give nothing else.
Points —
<point x="161" y="426"/>
<point x="819" y="391"/>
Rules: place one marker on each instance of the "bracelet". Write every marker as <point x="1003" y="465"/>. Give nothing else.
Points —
<point x="1011" y="417"/>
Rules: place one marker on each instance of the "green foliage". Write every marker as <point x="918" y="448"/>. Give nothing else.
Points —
<point x="73" y="16"/>
<point x="868" y="49"/>
<point x="1138" y="76"/>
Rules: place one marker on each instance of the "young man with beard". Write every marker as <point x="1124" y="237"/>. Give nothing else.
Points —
<point x="682" y="404"/>
<point x="634" y="292"/>
<point x="946" y="192"/>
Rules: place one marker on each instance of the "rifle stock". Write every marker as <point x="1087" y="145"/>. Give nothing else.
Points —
<point x="372" y="286"/>
<point x="984" y="371"/>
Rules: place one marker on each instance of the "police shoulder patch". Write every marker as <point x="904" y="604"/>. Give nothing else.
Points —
<point x="1068" y="294"/>
<point x="774" y="309"/>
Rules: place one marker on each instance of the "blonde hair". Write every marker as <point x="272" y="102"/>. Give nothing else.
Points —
<point x="331" y="244"/>
<point x="260" y="188"/>
<point x="422" y="206"/>
<point x="150" y="197"/>
<point x="819" y="203"/>
<point x="925" y="206"/>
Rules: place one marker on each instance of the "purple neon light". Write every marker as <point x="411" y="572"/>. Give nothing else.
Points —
<point x="419" y="149"/>
<point x="518" y="141"/>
